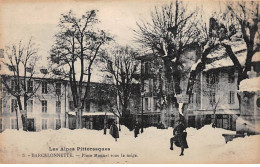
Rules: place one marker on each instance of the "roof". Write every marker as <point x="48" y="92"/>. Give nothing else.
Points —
<point x="219" y="58"/>
<point x="250" y="85"/>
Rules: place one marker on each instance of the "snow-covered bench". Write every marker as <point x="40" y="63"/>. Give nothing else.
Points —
<point x="230" y="137"/>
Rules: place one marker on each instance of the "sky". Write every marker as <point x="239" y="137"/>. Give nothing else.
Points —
<point x="21" y="20"/>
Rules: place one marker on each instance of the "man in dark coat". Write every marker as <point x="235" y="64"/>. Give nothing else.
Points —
<point x="136" y="129"/>
<point x="114" y="131"/>
<point x="179" y="137"/>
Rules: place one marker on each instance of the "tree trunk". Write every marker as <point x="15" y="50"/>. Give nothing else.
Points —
<point x="79" y="118"/>
<point x="119" y="124"/>
<point x="23" y="114"/>
<point x="16" y="112"/>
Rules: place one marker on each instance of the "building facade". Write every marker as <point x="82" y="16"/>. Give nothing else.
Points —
<point x="52" y="106"/>
<point x="214" y="95"/>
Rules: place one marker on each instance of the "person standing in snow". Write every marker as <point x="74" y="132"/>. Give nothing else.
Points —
<point x="114" y="131"/>
<point x="136" y="129"/>
<point x="180" y="136"/>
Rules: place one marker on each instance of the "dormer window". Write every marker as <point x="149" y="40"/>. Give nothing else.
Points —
<point x="56" y="72"/>
<point x="1" y="53"/>
<point x="11" y="68"/>
<point x="28" y="69"/>
<point x="55" y="58"/>
<point x="44" y="71"/>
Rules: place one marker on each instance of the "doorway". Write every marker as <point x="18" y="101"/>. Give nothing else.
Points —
<point x="30" y="124"/>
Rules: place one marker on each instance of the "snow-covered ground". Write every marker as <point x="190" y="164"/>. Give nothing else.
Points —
<point x="206" y="145"/>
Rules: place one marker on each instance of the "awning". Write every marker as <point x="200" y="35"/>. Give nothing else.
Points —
<point x="72" y="113"/>
<point x="96" y="113"/>
<point x="91" y="113"/>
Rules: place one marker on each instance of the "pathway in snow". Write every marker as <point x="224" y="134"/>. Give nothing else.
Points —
<point x="205" y="146"/>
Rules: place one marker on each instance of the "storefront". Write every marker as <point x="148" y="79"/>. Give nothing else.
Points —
<point x="92" y="120"/>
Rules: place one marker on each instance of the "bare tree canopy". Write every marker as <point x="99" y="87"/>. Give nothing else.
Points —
<point x="76" y="49"/>
<point x="120" y="64"/>
<point x="21" y="62"/>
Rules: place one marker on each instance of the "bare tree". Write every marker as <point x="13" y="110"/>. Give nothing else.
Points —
<point x="21" y="60"/>
<point x="172" y="31"/>
<point x="246" y="14"/>
<point x="240" y="23"/>
<point x="120" y="64"/>
<point x="76" y="49"/>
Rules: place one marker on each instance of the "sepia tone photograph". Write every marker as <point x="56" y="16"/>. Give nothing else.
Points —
<point x="129" y="82"/>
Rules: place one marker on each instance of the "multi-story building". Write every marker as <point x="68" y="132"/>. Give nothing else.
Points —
<point x="214" y="92"/>
<point x="52" y="106"/>
<point x="157" y="91"/>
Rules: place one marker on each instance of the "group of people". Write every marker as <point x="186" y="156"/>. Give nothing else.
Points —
<point x="179" y="132"/>
<point x="114" y="131"/>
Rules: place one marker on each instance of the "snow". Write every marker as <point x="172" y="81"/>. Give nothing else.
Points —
<point x="250" y="85"/>
<point x="180" y="108"/>
<point x="206" y="145"/>
<point x="193" y="67"/>
<point x="72" y="113"/>
<point x="223" y="60"/>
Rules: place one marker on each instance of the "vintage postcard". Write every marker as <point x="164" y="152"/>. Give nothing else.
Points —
<point x="129" y="82"/>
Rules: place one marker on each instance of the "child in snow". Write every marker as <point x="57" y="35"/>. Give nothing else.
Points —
<point x="180" y="136"/>
<point x="114" y="131"/>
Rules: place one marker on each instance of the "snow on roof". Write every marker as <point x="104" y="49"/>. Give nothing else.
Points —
<point x="223" y="60"/>
<point x="226" y="61"/>
<point x="193" y="67"/>
<point x="250" y="85"/>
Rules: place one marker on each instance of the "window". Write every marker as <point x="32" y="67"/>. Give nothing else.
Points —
<point x="258" y="102"/>
<point x="1" y="86"/>
<point x="11" y="68"/>
<point x="58" y="88"/>
<point x="44" y="106"/>
<point x="1" y="125"/>
<point x="231" y="99"/>
<point x="212" y="78"/>
<point x="71" y="105"/>
<point x="44" y="87"/>
<point x="2" y="53"/>
<point x="14" y="123"/>
<point x="155" y="84"/>
<point x="44" y="71"/>
<point x="146" y="68"/>
<point x="150" y="85"/>
<point x="197" y="98"/>
<point x="13" y="105"/>
<point x="30" y="105"/>
<point x="146" y="85"/>
<point x="146" y="103"/>
<point x="14" y="86"/>
<point x="1" y="107"/>
<point x="212" y="98"/>
<point x="58" y="124"/>
<point x="155" y="103"/>
<point x="58" y="106"/>
<point x="44" y="124"/>
<point x="231" y="77"/>
<point x="191" y="98"/>
<point x="28" y="69"/>
<point x="87" y="106"/>
<point x="30" y="86"/>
